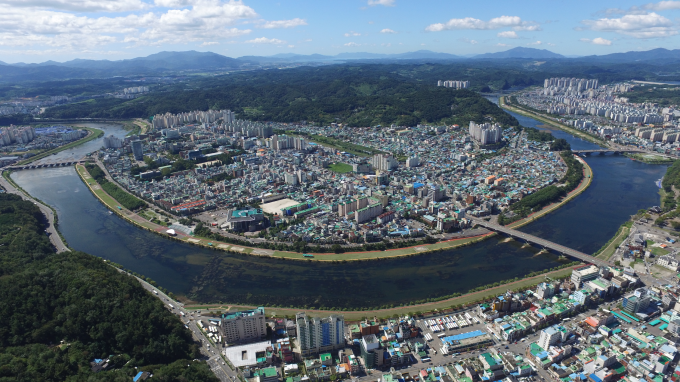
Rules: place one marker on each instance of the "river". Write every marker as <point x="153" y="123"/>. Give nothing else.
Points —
<point x="620" y="187"/>
<point x="80" y="151"/>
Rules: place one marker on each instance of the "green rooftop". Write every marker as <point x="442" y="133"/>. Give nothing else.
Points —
<point x="244" y="313"/>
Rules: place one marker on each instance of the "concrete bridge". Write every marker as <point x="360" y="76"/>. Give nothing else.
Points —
<point x="546" y="244"/>
<point x="46" y="165"/>
<point x="604" y="151"/>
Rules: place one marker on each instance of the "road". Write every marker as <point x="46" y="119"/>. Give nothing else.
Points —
<point x="213" y="357"/>
<point x="47" y="211"/>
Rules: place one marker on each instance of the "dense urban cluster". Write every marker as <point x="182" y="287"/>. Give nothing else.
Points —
<point x="605" y="111"/>
<point x="351" y="185"/>
<point x="25" y="141"/>
<point x="599" y="325"/>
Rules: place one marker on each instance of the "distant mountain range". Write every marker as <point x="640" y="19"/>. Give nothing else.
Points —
<point x="167" y="62"/>
<point x="519" y="52"/>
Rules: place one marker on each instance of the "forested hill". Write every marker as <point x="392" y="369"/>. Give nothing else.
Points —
<point x="61" y="311"/>
<point x="357" y="95"/>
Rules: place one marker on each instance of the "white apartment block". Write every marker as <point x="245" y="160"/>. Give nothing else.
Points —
<point x="486" y="133"/>
<point x="248" y="325"/>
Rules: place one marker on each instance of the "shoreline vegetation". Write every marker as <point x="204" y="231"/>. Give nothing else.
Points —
<point x="92" y="134"/>
<point x="240" y="248"/>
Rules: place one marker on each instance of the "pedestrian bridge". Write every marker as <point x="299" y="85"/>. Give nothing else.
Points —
<point x="546" y="244"/>
<point x="46" y="165"/>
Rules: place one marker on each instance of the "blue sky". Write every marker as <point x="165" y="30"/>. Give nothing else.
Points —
<point x="40" y="30"/>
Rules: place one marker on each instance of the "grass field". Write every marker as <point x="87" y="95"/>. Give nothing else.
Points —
<point x="412" y="309"/>
<point x="340" y="168"/>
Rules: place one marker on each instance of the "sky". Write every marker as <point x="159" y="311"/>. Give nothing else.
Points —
<point x="62" y="30"/>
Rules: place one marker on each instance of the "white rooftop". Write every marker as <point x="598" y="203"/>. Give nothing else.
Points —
<point x="244" y="355"/>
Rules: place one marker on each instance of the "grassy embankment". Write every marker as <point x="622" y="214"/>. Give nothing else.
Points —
<point x="575" y="132"/>
<point x="607" y="250"/>
<point x="110" y="202"/>
<point x="411" y="309"/>
<point x="93" y="134"/>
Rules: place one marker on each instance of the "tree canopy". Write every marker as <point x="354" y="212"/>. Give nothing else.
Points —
<point x="62" y="310"/>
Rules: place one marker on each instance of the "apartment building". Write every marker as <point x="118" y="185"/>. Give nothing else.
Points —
<point x="317" y="334"/>
<point x="247" y="325"/>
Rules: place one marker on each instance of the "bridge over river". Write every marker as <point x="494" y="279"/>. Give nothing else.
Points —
<point x="45" y="165"/>
<point x="604" y="151"/>
<point x="540" y="242"/>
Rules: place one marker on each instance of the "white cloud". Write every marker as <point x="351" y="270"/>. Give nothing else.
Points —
<point x="389" y="31"/>
<point x="351" y="44"/>
<point x="387" y="3"/>
<point x="495" y="23"/>
<point x="264" y="40"/>
<point x="536" y="43"/>
<point x="284" y="23"/>
<point x="528" y="26"/>
<point x="597" y="41"/>
<point x="352" y="34"/>
<point x="508" y="34"/>
<point x="502" y="45"/>
<point x="291" y="46"/>
<point x="172" y="3"/>
<point x="208" y="43"/>
<point x="467" y="40"/>
<point x="662" y="6"/>
<point x="647" y="25"/>
<point x="78" y="5"/>
<point x="203" y="21"/>
<point x="387" y="45"/>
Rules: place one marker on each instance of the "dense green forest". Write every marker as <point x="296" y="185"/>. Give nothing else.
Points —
<point x="357" y="95"/>
<point x="62" y="310"/>
<point x="666" y="96"/>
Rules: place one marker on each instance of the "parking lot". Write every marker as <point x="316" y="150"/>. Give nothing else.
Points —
<point x="448" y="325"/>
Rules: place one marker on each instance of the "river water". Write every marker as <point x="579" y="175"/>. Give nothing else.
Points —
<point x="80" y="151"/>
<point x="620" y="187"/>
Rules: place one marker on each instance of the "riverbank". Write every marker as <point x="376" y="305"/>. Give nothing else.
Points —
<point x="414" y="250"/>
<point x="542" y="118"/>
<point x="56" y="238"/>
<point x="92" y="134"/>
<point x="650" y="158"/>
<point x="585" y="183"/>
<point x="439" y="306"/>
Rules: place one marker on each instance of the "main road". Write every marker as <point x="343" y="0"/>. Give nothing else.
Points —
<point x="214" y="357"/>
<point x="47" y="211"/>
<point x="541" y="242"/>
